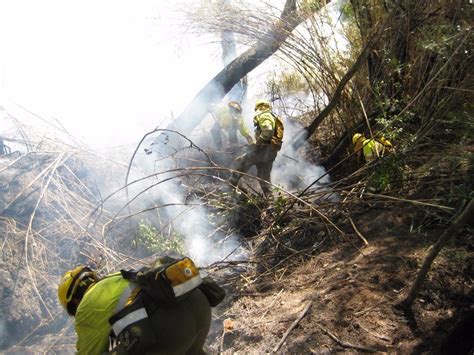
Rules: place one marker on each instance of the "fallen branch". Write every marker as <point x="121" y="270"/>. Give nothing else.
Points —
<point x="357" y="231"/>
<point x="345" y="344"/>
<point x="465" y="216"/>
<point x="364" y="311"/>
<point x="415" y="202"/>
<point x="377" y="335"/>
<point x="295" y="323"/>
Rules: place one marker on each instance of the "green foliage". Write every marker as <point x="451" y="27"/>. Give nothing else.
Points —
<point x="286" y="82"/>
<point x="387" y="175"/>
<point x="347" y="11"/>
<point x="150" y="240"/>
<point x="440" y="38"/>
<point x="310" y="6"/>
<point x="220" y="208"/>
<point x="457" y="255"/>
<point x="280" y="204"/>
<point x="396" y="128"/>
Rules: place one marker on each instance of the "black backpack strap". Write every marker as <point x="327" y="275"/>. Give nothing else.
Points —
<point x="130" y="275"/>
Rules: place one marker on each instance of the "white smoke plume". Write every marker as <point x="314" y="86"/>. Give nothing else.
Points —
<point x="291" y="170"/>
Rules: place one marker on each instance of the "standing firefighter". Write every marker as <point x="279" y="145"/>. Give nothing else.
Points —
<point x="269" y="138"/>
<point x="228" y="120"/>
<point x="164" y="308"/>
<point x="371" y="148"/>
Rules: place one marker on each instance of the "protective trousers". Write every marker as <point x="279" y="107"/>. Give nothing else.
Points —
<point x="180" y="328"/>
<point x="260" y="155"/>
<point x="217" y="133"/>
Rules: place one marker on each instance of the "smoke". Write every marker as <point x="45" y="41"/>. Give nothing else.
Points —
<point x="3" y="333"/>
<point x="182" y="166"/>
<point x="175" y="167"/>
<point x="124" y="89"/>
<point x="170" y="185"/>
<point x="291" y="170"/>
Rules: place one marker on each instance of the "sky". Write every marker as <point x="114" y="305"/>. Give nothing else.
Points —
<point x="108" y="70"/>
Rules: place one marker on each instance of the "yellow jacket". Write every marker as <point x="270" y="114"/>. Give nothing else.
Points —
<point x="92" y="316"/>
<point x="372" y="148"/>
<point x="264" y="123"/>
<point x="225" y="119"/>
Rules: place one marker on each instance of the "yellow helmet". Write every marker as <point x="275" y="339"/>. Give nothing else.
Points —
<point x="73" y="286"/>
<point x="235" y="105"/>
<point x="259" y="103"/>
<point x="356" y="137"/>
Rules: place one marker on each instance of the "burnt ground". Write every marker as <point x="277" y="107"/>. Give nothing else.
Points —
<point x="352" y="293"/>
<point x="350" y="288"/>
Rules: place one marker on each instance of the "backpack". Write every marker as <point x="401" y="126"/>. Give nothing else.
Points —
<point x="169" y="280"/>
<point x="277" y="139"/>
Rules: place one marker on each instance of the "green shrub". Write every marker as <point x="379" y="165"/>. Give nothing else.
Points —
<point x="150" y="240"/>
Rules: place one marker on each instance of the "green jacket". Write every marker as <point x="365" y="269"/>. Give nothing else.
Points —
<point x="264" y="123"/>
<point x="92" y="316"/>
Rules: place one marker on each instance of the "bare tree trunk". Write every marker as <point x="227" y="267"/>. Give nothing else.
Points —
<point x="225" y="80"/>
<point x="466" y="215"/>
<point x="229" y="53"/>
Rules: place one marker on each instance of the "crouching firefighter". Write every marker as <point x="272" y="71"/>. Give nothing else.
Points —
<point x="371" y="148"/>
<point x="164" y="308"/>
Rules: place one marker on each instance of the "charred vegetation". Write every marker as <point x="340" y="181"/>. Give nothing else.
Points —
<point x="321" y="264"/>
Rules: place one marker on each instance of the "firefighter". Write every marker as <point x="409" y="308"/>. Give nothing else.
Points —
<point x="228" y="120"/>
<point x="143" y="326"/>
<point x="268" y="137"/>
<point x="371" y="148"/>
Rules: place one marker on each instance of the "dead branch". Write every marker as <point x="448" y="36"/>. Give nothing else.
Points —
<point x="374" y="334"/>
<point x="292" y="326"/>
<point x="336" y="96"/>
<point x="346" y="344"/>
<point x="59" y="160"/>
<point x="466" y="215"/>
<point x="357" y="231"/>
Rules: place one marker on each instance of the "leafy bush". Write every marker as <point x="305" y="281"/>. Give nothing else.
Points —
<point x="151" y="241"/>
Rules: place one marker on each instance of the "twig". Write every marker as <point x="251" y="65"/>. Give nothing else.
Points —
<point x="345" y="344"/>
<point x="359" y="313"/>
<point x="221" y="350"/>
<point x="415" y="202"/>
<point x="379" y="336"/>
<point x="59" y="160"/>
<point x="12" y="163"/>
<point x="270" y="306"/>
<point x="357" y="231"/>
<point x="295" y="323"/>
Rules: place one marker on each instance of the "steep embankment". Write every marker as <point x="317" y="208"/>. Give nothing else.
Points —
<point x="45" y="202"/>
<point x="310" y="283"/>
<point x="350" y="289"/>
